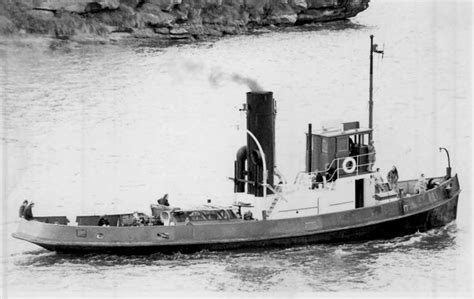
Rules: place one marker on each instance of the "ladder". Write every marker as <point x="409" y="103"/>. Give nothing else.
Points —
<point x="275" y="201"/>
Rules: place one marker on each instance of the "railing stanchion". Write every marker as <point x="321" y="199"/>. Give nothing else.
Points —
<point x="358" y="164"/>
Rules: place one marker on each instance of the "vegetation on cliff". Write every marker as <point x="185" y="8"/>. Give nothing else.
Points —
<point x="17" y="17"/>
<point x="165" y="19"/>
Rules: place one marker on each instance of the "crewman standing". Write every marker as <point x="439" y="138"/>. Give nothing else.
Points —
<point x="29" y="211"/>
<point x="378" y="179"/>
<point x="21" y="212"/>
<point x="371" y="149"/>
<point x="392" y="178"/>
<point x="164" y="200"/>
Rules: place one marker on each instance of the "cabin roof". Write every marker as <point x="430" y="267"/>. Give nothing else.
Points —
<point x="335" y="132"/>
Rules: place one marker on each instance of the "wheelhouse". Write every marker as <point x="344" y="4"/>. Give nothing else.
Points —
<point x="342" y="151"/>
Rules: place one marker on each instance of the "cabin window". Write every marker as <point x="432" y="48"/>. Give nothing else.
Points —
<point x="342" y="144"/>
<point x="324" y="146"/>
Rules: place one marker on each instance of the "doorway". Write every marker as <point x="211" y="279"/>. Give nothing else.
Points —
<point x="359" y="193"/>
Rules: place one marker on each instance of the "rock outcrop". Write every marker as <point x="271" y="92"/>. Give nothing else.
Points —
<point x="167" y="19"/>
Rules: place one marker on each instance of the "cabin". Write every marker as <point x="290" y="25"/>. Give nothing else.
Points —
<point x="342" y="150"/>
<point x="337" y="176"/>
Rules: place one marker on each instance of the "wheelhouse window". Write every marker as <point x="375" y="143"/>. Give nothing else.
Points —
<point x="342" y="144"/>
<point x="324" y="145"/>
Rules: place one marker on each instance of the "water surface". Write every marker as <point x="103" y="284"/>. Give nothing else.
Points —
<point x="109" y="129"/>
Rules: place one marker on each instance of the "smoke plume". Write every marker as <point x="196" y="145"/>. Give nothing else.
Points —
<point x="251" y="83"/>
<point x="217" y="77"/>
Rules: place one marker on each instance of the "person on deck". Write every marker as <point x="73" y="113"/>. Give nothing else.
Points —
<point x="29" y="211"/>
<point x="135" y="219"/>
<point x="103" y="221"/>
<point x="421" y="184"/>
<point x="317" y="179"/>
<point x="431" y="184"/>
<point x="378" y="179"/>
<point x="164" y="200"/>
<point x="21" y="212"/>
<point x="331" y="174"/>
<point x="188" y="221"/>
<point x="248" y="215"/>
<point x="392" y="178"/>
<point x="352" y="148"/>
<point x="371" y="149"/>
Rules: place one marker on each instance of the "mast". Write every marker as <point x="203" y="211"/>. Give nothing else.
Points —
<point x="371" y="85"/>
<point x="373" y="49"/>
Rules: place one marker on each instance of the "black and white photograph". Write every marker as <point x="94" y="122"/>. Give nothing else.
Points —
<point x="236" y="148"/>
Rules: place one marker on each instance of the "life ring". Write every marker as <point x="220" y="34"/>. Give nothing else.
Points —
<point x="347" y="161"/>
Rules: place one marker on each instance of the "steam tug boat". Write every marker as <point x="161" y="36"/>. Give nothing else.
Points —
<point x="344" y="207"/>
<point x="334" y="200"/>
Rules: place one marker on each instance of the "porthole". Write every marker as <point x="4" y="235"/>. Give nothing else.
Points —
<point x="163" y="235"/>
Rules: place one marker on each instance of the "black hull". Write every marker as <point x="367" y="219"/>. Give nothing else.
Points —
<point x="419" y="222"/>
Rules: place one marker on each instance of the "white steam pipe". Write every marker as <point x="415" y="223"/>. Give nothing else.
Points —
<point x="265" y="174"/>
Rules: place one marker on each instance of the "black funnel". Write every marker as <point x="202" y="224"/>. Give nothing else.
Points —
<point x="261" y="122"/>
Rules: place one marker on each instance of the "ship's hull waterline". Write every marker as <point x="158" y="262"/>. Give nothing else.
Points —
<point x="422" y="212"/>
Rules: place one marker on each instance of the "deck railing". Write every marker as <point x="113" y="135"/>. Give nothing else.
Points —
<point x="336" y="168"/>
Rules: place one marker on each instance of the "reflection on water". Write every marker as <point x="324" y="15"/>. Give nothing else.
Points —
<point x="260" y="269"/>
<point x="153" y="46"/>
<point x="432" y="241"/>
<point x="369" y="266"/>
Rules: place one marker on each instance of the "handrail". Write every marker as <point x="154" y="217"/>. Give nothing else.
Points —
<point x="278" y="196"/>
<point x="337" y="169"/>
<point x="277" y="193"/>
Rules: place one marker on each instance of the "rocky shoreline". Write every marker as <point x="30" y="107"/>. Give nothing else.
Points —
<point x="167" y="20"/>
